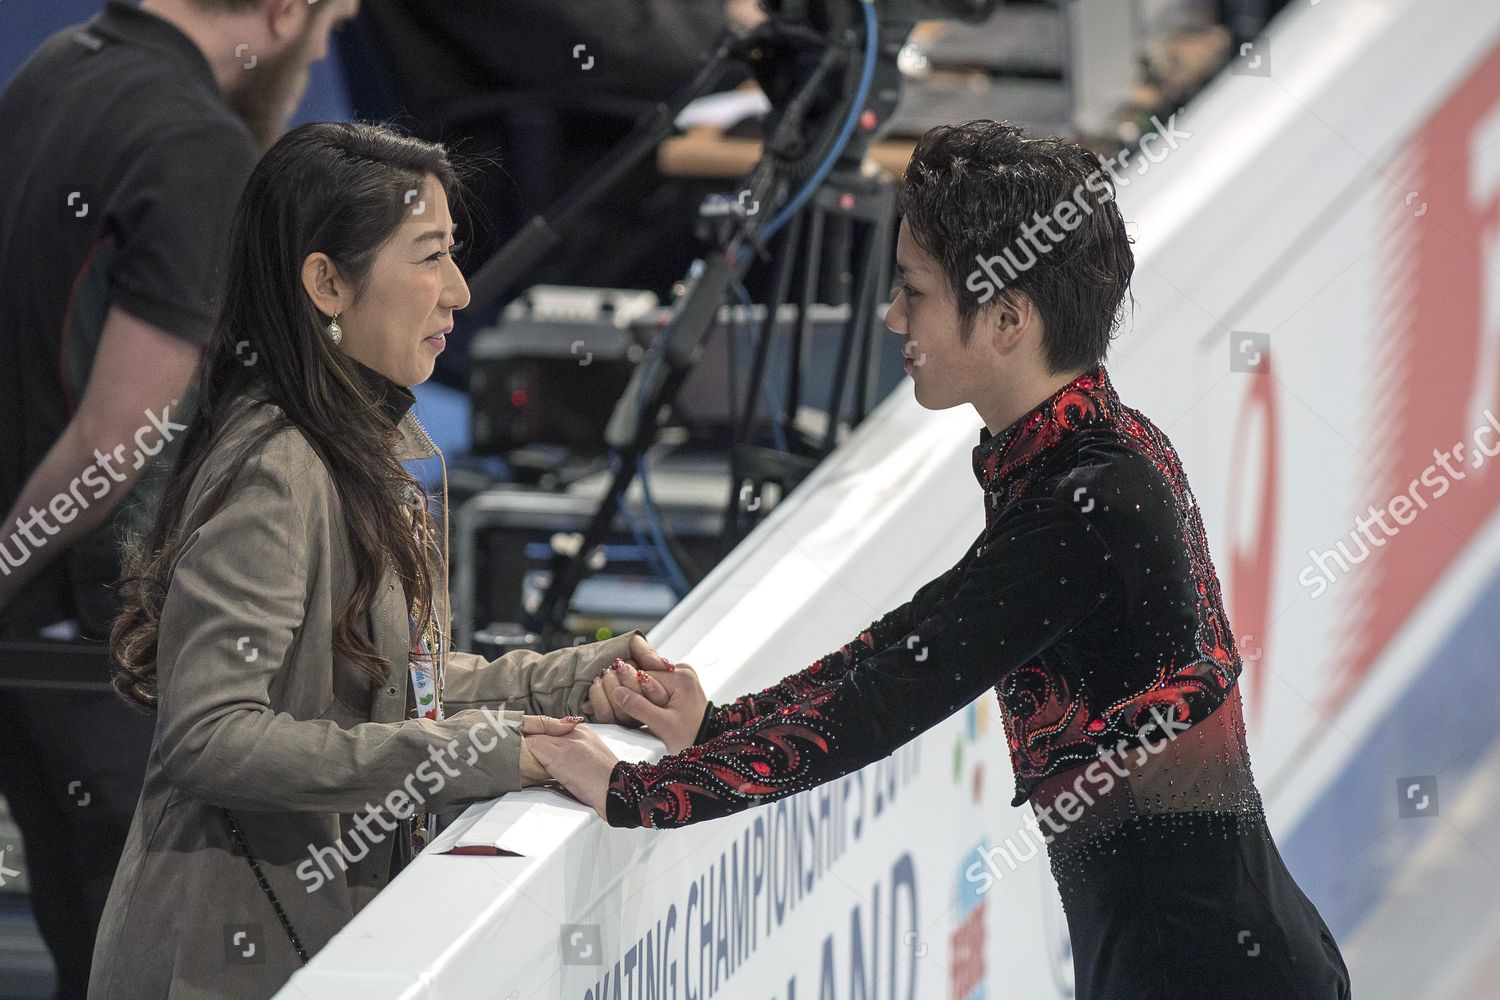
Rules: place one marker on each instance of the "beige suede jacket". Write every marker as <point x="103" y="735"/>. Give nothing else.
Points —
<point x="257" y="713"/>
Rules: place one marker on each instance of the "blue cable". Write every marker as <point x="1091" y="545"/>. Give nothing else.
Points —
<point x="867" y="74"/>
<point x="648" y="550"/>
<point x="653" y="521"/>
<point x="665" y="560"/>
<point x="773" y="405"/>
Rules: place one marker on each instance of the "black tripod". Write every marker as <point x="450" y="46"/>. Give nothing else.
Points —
<point x="841" y="245"/>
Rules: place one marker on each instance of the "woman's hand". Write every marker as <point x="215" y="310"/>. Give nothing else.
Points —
<point x="666" y="696"/>
<point x="532" y="771"/>
<point x="618" y="676"/>
<point x="600" y="707"/>
<point x="580" y="762"/>
<point x="673" y="705"/>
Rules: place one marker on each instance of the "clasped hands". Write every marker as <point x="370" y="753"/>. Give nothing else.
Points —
<point x="647" y="690"/>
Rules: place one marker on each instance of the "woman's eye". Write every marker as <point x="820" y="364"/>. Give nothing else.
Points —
<point x="443" y="253"/>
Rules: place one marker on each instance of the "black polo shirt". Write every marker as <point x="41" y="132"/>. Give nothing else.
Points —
<point x="120" y="166"/>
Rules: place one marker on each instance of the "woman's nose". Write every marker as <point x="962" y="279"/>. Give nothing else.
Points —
<point x="459" y="290"/>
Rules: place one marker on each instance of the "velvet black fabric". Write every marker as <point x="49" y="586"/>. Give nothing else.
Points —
<point x="1091" y="607"/>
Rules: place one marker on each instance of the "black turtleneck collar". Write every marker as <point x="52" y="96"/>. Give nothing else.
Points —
<point x="1086" y="401"/>
<point x="395" y="400"/>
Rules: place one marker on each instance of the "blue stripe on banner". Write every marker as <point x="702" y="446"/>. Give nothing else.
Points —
<point x="1352" y="843"/>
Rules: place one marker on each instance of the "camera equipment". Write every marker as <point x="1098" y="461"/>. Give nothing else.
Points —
<point x="829" y="71"/>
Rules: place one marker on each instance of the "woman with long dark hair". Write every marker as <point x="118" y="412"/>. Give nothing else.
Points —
<point x="1088" y="603"/>
<point x="287" y="616"/>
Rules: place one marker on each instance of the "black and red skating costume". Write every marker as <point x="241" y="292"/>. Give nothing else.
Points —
<point x="1090" y="605"/>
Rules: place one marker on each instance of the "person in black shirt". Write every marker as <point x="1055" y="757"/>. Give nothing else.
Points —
<point x="1089" y="604"/>
<point x="127" y="141"/>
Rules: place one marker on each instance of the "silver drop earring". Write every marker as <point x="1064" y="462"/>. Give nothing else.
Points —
<point x="334" y="330"/>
